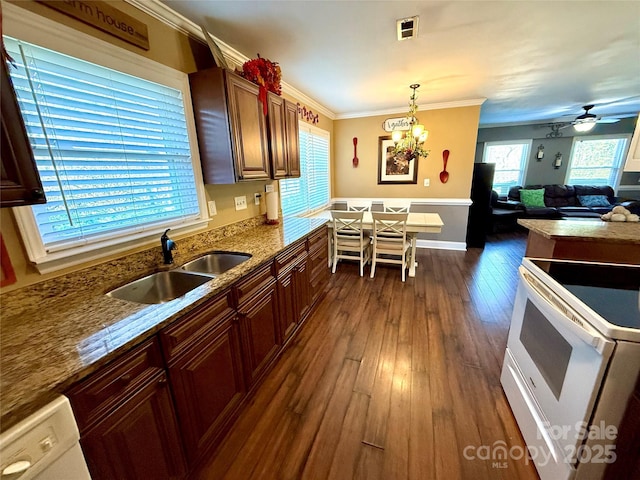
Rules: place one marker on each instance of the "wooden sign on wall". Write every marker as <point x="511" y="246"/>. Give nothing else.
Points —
<point x="103" y="16"/>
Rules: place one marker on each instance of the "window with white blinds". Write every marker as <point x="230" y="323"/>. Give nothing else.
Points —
<point x="112" y="150"/>
<point x="311" y="191"/>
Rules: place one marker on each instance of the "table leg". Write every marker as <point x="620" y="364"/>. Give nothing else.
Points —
<point x="412" y="261"/>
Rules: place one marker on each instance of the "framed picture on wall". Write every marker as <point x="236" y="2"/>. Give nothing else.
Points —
<point x="394" y="168"/>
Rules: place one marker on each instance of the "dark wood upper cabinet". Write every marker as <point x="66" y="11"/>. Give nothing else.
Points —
<point x="293" y="139"/>
<point x="284" y="144"/>
<point x="277" y="136"/>
<point x="231" y="126"/>
<point x="237" y="141"/>
<point x="19" y="182"/>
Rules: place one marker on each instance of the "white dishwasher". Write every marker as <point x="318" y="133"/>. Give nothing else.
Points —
<point x="44" y="446"/>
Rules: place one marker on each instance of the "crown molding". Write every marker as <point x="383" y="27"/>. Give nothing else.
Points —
<point x="170" y="17"/>
<point x="421" y="107"/>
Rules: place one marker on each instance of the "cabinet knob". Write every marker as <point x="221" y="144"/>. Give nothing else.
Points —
<point x="37" y="193"/>
<point x="162" y="381"/>
<point x="125" y="379"/>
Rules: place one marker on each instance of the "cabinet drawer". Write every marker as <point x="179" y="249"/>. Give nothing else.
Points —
<point x="188" y="330"/>
<point x="318" y="238"/>
<point x="96" y="396"/>
<point x="289" y="256"/>
<point x="253" y="283"/>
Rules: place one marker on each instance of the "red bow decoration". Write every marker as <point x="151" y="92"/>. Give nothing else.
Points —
<point x="266" y="74"/>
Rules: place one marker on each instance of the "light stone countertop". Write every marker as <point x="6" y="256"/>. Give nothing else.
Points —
<point x="585" y="230"/>
<point x="56" y="332"/>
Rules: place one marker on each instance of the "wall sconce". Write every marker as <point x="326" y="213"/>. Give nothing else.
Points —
<point x="557" y="163"/>
<point x="540" y="154"/>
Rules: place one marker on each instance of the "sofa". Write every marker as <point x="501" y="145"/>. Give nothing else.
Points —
<point x="562" y="201"/>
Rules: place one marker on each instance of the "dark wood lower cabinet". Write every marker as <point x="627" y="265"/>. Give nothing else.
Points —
<point x="627" y="464"/>
<point x="258" y="321"/>
<point x="139" y="439"/>
<point x="295" y="294"/>
<point x="133" y="426"/>
<point x="208" y="387"/>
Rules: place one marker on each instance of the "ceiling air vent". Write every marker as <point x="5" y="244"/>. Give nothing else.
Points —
<point x="407" y="28"/>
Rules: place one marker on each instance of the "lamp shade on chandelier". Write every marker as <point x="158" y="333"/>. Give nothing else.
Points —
<point x="410" y="144"/>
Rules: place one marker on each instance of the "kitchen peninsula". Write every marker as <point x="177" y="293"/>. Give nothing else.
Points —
<point x="592" y="240"/>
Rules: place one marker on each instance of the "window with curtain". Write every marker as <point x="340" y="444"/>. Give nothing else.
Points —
<point x="311" y="191"/>
<point x="112" y="150"/>
<point x="596" y="160"/>
<point x="510" y="159"/>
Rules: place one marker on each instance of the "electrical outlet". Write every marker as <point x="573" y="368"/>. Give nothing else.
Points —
<point x="256" y="198"/>
<point x="268" y="188"/>
<point x="212" y="208"/>
<point x="241" y="202"/>
<point x="426" y="182"/>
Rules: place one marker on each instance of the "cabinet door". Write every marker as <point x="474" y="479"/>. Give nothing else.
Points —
<point x="277" y="136"/>
<point x="249" y="129"/>
<point x="139" y="439"/>
<point x="20" y="181"/>
<point x="286" y="293"/>
<point x="301" y="281"/>
<point x="208" y="387"/>
<point x="293" y="139"/>
<point x="258" y="322"/>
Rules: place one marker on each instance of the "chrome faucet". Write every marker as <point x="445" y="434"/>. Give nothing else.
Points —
<point x="167" y="246"/>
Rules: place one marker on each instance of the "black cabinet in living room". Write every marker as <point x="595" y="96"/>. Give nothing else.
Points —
<point x="480" y="209"/>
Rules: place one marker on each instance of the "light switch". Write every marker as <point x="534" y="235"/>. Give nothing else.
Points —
<point x="426" y="182"/>
<point x="212" y="208"/>
<point x="256" y="198"/>
<point x="241" y="202"/>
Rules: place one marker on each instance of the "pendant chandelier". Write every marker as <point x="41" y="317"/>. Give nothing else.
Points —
<point x="410" y="144"/>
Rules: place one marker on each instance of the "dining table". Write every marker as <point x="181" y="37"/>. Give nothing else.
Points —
<point x="416" y="223"/>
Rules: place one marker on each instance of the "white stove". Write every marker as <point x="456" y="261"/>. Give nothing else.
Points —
<point x="572" y="361"/>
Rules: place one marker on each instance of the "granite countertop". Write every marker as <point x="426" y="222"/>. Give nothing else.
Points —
<point x="56" y="332"/>
<point x="585" y="230"/>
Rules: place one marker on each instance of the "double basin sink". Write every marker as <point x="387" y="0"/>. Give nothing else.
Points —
<point x="163" y="287"/>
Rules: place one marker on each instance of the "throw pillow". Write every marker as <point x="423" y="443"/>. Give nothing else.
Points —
<point x="594" y="200"/>
<point x="532" y="198"/>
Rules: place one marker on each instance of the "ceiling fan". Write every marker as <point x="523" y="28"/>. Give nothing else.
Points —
<point x="584" y="122"/>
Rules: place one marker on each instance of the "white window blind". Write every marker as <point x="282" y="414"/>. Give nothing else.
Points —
<point x="596" y="160"/>
<point x="112" y="150"/>
<point x="310" y="191"/>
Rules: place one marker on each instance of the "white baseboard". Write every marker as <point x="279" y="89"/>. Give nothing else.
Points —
<point x="442" y="245"/>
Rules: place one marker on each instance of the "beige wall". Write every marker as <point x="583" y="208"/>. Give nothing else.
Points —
<point x="454" y="129"/>
<point x="171" y="48"/>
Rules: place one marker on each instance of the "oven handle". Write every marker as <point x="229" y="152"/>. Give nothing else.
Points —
<point x="578" y="326"/>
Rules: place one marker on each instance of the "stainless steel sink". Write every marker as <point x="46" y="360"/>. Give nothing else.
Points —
<point x="215" y="263"/>
<point x="159" y="287"/>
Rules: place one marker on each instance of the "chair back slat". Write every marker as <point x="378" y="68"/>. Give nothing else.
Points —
<point x="390" y="225"/>
<point x="396" y="206"/>
<point x="359" y="205"/>
<point x="347" y="223"/>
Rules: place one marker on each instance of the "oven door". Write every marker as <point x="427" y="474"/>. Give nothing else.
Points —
<point x="561" y="359"/>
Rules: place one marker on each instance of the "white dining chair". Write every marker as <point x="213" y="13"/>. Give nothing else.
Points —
<point x="398" y="205"/>
<point x="390" y="244"/>
<point x="359" y="205"/>
<point x="350" y="239"/>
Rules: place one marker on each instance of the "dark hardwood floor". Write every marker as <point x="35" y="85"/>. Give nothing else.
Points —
<point x="391" y="381"/>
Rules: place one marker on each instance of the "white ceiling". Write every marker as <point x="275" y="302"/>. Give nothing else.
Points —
<point x="533" y="61"/>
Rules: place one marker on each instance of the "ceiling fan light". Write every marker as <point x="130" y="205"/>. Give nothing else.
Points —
<point x="584" y="126"/>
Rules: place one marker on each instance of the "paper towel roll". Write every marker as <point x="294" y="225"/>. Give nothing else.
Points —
<point x="272" y="207"/>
